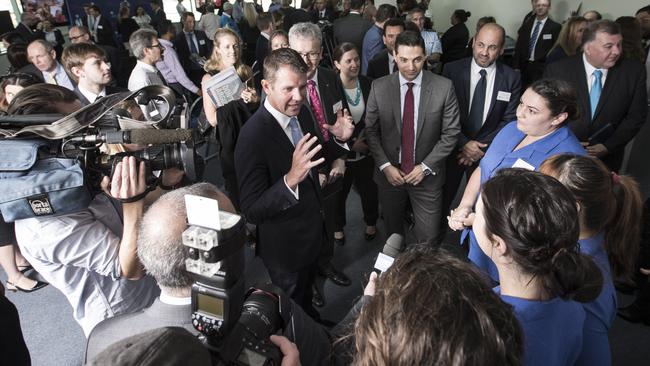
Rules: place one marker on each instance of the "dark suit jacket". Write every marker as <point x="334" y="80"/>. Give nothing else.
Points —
<point x="454" y="42"/>
<point x="501" y="112"/>
<point x="183" y="48"/>
<point x="290" y="232"/>
<point x="542" y="47"/>
<point x="351" y="28"/>
<point x="296" y="16"/>
<point x="157" y="17"/>
<point x="438" y="123"/>
<point x="329" y="15"/>
<point x="623" y="103"/>
<point x="105" y="31"/>
<point x="261" y="50"/>
<point x="331" y="92"/>
<point x="28" y="35"/>
<point x="109" y="90"/>
<point x="157" y="315"/>
<point x="378" y="66"/>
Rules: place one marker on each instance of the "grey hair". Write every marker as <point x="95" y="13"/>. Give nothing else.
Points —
<point x="160" y="245"/>
<point x="305" y="30"/>
<point x="45" y="44"/>
<point x="141" y="39"/>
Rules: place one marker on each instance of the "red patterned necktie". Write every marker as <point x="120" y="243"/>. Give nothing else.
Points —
<point x="317" y="107"/>
<point x="408" y="139"/>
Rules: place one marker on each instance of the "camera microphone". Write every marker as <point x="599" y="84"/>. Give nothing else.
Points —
<point x="141" y="136"/>
<point x="393" y="247"/>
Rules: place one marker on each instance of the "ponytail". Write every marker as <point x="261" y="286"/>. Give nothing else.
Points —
<point x="623" y="230"/>
<point x="573" y="276"/>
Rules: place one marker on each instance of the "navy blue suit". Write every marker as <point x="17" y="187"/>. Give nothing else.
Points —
<point x="290" y="231"/>
<point x="500" y="113"/>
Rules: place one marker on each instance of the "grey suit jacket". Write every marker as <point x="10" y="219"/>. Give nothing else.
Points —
<point x="438" y="124"/>
<point x="157" y="315"/>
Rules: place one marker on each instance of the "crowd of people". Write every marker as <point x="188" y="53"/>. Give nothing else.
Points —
<point x="335" y="96"/>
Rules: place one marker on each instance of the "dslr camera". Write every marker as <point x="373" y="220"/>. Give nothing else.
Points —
<point x="235" y="322"/>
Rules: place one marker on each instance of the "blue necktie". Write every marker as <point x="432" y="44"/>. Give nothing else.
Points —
<point x="190" y="39"/>
<point x="533" y="40"/>
<point x="596" y="89"/>
<point x="296" y="133"/>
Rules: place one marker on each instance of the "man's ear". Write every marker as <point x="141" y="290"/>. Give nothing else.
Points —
<point x="266" y="86"/>
<point x="76" y="71"/>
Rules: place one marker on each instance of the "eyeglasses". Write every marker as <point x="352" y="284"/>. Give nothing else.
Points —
<point x="310" y="55"/>
<point x="159" y="46"/>
<point x="77" y="37"/>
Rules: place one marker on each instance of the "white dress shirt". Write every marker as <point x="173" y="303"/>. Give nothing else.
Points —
<point x="489" y="87"/>
<point x="142" y="75"/>
<point x="539" y="34"/>
<point x="589" y="70"/>
<point x="90" y="95"/>
<point x="209" y="23"/>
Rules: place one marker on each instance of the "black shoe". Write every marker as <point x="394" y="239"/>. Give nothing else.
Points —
<point x="317" y="298"/>
<point x="335" y="275"/>
<point x="635" y="314"/>
<point x="13" y="287"/>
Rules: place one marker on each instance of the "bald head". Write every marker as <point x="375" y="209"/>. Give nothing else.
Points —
<point x="488" y="44"/>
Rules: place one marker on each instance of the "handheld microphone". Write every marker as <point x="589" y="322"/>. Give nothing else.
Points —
<point x="141" y="136"/>
<point x="393" y="247"/>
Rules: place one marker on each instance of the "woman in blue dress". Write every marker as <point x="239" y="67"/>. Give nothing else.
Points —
<point x="610" y="207"/>
<point x="525" y="222"/>
<point x="539" y="132"/>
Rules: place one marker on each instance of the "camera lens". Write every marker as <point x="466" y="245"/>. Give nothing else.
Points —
<point x="260" y="314"/>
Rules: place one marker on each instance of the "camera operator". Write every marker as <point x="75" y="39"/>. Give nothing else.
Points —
<point x="429" y="308"/>
<point x="90" y="255"/>
<point x="87" y="64"/>
<point x="161" y="251"/>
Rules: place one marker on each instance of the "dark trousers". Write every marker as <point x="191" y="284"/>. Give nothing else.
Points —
<point x="359" y="173"/>
<point x="13" y="350"/>
<point x="297" y="285"/>
<point x="329" y="213"/>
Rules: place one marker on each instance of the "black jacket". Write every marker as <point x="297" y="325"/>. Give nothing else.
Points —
<point x="454" y="42"/>
<point x="378" y="66"/>
<point x="545" y="41"/>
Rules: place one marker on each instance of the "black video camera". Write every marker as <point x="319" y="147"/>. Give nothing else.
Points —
<point x="236" y="324"/>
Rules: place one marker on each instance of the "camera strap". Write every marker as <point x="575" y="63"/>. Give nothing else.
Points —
<point x="92" y="113"/>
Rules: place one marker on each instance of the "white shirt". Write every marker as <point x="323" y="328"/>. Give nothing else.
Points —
<point x="417" y="87"/>
<point x="209" y="23"/>
<point x="90" y="95"/>
<point x="78" y="253"/>
<point x="142" y="75"/>
<point x="173" y="300"/>
<point x="432" y="43"/>
<point x="192" y="38"/>
<point x="283" y="120"/>
<point x="265" y="35"/>
<point x="589" y="70"/>
<point x="475" y="76"/>
<point x="539" y="33"/>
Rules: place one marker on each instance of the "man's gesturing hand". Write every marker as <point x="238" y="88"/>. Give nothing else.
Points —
<point x="301" y="163"/>
<point x="344" y="125"/>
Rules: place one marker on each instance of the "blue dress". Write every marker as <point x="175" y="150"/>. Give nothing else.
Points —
<point x="500" y="155"/>
<point x="602" y="311"/>
<point x="552" y="330"/>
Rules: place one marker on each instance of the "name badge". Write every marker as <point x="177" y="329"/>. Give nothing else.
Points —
<point x="100" y="27"/>
<point x="503" y="96"/>
<point x="338" y="106"/>
<point x="202" y="42"/>
<point x="547" y="36"/>
<point x="522" y="164"/>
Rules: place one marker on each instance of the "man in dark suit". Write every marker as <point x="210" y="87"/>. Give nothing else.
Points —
<point x="352" y="27"/>
<point x="299" y="15"/>
<point x="26" y="28"/>
<point x="265" y="25"/>
<point x="384" y="63"/>
<point x="157" y="14"/>
<point x="321" y="12"/>
<point x="276" y="160"/>
<point x="488" y="95"/>
<point x="102" y="30"/>
<point x="611" y="92"/>
<point x="87" y="64"/>
<point x="190" y="44"/>
<point x="412" y="125"/>
<point x="326" y="100"/>
<point x="81" y="34"/>
<point x="535" y="40"/>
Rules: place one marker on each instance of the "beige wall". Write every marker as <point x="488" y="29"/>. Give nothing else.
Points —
<point x="509" y="13"/>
